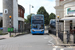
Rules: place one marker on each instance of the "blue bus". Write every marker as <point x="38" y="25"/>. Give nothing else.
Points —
<point x="37" y="24"/>
<point x="52" y="23"/>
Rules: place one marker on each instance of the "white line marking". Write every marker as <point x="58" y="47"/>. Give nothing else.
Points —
<point x="51" y="42"/>
<point x="46" y="38"/>
<point x="61" y="49"/>
<point x="55" y="39"/>
<point x="54" y="48"/>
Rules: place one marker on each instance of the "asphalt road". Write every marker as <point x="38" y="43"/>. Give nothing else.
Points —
<point x="30" y="42"/>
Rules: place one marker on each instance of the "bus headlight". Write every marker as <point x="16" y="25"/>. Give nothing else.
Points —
<point x="42" y="30"/>
<point x="33" y="30"/>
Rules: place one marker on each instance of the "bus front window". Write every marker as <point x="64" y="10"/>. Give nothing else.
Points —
<point x="35" y="26"/>
<point x="41" y="26"/>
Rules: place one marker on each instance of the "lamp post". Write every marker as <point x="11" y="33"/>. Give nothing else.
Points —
<point x="30" y="6"/>
<point x="58" y="25"/>
<point x="10" y="25"/>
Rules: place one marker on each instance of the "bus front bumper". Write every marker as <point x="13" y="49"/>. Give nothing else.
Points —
<point x="37" y="32"/>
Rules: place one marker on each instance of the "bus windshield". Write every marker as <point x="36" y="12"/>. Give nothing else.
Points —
<point x="37" y="21"/>
<point x="35" y="26"/>
<point x="38" y="26"/>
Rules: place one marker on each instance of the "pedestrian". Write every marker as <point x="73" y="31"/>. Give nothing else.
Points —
<point x="74" y="35"/>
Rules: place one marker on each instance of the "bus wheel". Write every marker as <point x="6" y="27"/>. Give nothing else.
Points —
<point x="32" y="34"/>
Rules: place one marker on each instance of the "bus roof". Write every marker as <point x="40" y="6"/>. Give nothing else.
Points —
<point x="38" y="15"/>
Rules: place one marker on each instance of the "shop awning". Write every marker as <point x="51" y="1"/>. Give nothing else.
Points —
<point x="68" y="18"/>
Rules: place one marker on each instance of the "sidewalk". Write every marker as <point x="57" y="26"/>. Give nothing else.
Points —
<point x="60" y="43"/>
<point x="4" y="36"/>
<point x="12" y="35"/>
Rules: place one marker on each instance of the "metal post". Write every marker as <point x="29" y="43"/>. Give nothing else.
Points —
<point x="10" y="27"/>
<point x="58" y="27"/>
<point x="67" y="37"/>
<point x="30" y="6"/>
<point x="15" y="31"/>
<point x="10" y="32"/>
<point x="29" y="9"/>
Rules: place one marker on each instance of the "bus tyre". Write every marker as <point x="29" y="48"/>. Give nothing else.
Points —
<point x="32" y="34"/>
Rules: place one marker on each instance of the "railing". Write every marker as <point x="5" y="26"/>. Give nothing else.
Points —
<point x="60" y="35"/>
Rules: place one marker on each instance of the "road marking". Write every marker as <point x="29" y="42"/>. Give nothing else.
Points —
<point x="61" y="49"/>
<point x="46" y="37"/>
<point x="51" y="42"/>
<point x="54" y="48"/>
<point x="55" y="39"/>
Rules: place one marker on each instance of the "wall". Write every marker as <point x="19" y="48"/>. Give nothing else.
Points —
<point x="7" y="4"/>
<point x="15" y="14"/>
<point x="69" y="5"/>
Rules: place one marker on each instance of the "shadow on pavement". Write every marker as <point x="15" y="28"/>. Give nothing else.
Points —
<point x="2" y="38"/>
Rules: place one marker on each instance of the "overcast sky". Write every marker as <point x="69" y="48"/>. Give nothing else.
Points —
<point x="48" y="5"/>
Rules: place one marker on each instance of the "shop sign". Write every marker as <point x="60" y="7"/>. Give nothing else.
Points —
<point x="69" y="11"/>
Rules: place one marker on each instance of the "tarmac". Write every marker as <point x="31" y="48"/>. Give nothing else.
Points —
<point x="58" y="40"/>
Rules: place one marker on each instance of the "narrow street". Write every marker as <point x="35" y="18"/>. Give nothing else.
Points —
<point x="30" y="42"/>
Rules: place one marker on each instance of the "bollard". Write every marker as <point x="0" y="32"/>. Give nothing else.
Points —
<point x="22" y="30"/>
<point x="15" y="31"/>
<point x="68" y="37"/>
<point x="10" y="32"/>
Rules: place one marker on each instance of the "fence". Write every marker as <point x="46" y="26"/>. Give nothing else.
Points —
<point x="60" y="35"/>
<point x="52" y="31"/>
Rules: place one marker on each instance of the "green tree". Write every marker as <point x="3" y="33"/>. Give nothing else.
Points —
<point x="42" y="10"/>
<point x="28" y="20"/>
<point x="52" y="16"/>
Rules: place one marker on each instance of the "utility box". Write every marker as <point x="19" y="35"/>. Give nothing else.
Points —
<point x="10" y="29"/>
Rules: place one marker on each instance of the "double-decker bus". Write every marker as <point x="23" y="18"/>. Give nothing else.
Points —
<point x="52" y="25"/>
<point x="37" y="24"/>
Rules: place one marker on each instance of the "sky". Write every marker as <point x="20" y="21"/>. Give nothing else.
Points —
<point x="47" y="4"/>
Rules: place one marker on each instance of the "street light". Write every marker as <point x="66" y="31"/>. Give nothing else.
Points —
<point x="30" y="6"/>
<point x="58" y="25"/>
